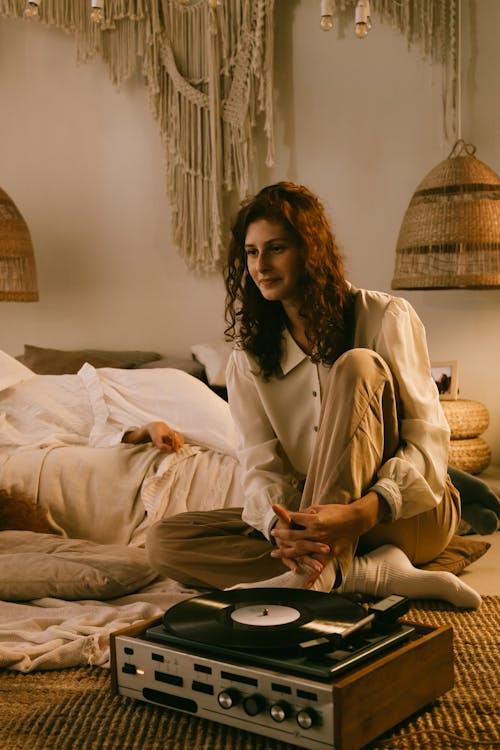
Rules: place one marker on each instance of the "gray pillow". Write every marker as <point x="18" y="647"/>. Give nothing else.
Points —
<point x="35" y="565"/>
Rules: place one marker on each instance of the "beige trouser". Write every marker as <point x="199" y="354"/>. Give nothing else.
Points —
<point x="358" y="432"/>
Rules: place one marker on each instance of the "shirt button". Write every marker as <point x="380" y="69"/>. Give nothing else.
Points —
<point x="315" y="428"/>
<point x="315" y="393"/>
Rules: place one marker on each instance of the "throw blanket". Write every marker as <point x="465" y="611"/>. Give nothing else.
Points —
<point x="55" y="634"/>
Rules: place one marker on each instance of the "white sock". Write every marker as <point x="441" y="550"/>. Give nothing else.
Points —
<point x="387" y="570"/>
<point x="287" y="580"/>
<point x="291" y="580"/>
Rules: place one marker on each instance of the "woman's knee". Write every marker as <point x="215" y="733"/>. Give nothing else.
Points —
<point x="174" y="541"/>
<point x="167" y="542"/>
<point x="361" y="363"/>
<point x="159" y="548"/>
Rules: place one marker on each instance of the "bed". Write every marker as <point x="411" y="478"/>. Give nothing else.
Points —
<point x="60" y="447"/>
<point x="62" y="593"/>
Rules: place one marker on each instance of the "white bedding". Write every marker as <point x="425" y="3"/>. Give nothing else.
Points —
<point x="60" y="445"/>
<point x="94" y="407"/>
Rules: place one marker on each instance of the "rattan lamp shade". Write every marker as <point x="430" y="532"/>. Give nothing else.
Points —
<point x="17" y="262"/>
<point x="450" y="235"/>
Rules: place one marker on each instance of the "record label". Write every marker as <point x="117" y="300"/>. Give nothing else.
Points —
<point x="264" y="616"/>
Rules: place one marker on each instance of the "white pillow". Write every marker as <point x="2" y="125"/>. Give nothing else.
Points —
<point x="12" y="372"/>
<point x="124" y="398"/>
<point x="33" y="566"/>
<point x="214" y="358"/>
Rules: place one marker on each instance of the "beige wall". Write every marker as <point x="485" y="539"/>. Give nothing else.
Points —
<point x="359" y="122"/>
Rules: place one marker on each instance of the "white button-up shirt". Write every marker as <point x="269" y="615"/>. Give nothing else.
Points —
<point x="277" y="420"/>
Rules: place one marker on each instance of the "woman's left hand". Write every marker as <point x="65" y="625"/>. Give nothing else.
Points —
<point x="323" y="532"/>
<point x="319" y="527"/>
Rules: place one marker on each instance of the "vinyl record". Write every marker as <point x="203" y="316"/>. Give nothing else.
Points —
<point x="261" y="618"/>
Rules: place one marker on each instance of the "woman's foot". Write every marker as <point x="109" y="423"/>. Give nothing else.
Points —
<point x="387" y="570"/>
<point x="290" y="580"/>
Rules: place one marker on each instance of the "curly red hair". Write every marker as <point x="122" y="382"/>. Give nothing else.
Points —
<point x="19" y="513"/>
<point x="257" y="323"/>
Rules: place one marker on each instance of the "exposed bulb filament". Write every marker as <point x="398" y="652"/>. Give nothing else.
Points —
<point x="32" y="10"/>
<point x="362" y="20"/>
<point x="326" y="22"/>
<point x="361" y="30"/>
<point x="96" y="13"/>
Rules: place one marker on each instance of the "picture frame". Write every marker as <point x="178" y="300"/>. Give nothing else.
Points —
<point x="445" y="376"/>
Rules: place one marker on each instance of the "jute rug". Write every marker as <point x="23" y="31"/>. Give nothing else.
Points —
<point x="76" y="709"/>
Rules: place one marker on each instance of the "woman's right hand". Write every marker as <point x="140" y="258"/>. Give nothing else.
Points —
<point x="285" y="522"/>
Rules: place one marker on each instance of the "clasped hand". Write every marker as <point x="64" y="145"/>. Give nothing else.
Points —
<point x="315" y="536"/>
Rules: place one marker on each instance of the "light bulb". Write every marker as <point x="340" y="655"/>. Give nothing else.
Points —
<point x="96" y="13"/>
<point x="362" y="20"/>
<point x="32" y="10"/>
<point x="361" y="30"/>
<point x="326" y="22"/>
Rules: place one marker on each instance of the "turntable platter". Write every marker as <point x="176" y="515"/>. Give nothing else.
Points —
<point x="262" y="618"/>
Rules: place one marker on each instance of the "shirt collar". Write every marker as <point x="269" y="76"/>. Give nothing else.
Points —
<point x="292" y="353"/>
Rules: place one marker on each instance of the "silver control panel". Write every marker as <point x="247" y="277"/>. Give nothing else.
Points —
<point x="286" y="707"/>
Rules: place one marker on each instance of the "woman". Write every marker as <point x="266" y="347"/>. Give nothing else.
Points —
<point x="343" y="443"/>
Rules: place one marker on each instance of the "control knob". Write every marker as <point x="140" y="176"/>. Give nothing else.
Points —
<point x="228" y="698"/>
<point x="306" y="718"/>
<point x="254" y="704"/>
<point x="279" y="711"/>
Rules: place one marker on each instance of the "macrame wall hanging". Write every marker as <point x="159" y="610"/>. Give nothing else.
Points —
<point x="208" y="67"/>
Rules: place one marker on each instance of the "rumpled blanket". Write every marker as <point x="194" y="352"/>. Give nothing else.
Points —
<point x="56" y="634"/>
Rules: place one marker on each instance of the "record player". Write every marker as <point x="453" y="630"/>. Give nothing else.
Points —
<point x="310" y="669"/>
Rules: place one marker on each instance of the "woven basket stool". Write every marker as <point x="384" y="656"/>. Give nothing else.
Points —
<point x="467" y="420"/>
<point x="472" y="455"/>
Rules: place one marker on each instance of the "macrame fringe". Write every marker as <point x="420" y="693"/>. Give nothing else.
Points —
<point x="432" y="25"/>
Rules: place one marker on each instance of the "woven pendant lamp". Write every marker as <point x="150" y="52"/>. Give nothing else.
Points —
<point x="450" y="235"/>
<point x="17" y="261"/>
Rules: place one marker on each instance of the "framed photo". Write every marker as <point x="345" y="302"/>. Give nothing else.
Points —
<point x="445" y="376"/>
